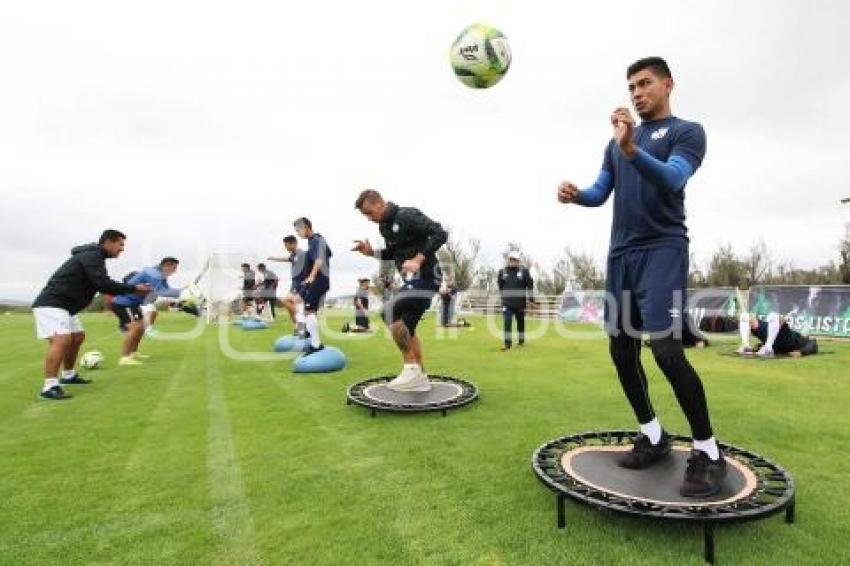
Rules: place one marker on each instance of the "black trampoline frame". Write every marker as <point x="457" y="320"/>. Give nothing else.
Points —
<point x="774" y="492"/>
<point x="355" y="395"/>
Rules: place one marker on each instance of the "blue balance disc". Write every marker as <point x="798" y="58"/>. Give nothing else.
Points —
<point x="254" y="325"/>
<point x="325" y="360"/>
<point x="290" y="344"/>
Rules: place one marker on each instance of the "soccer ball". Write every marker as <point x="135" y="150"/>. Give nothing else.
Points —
<point x="92" y="360"/>
<point x="480" y="56"/>
<point x="191" y="295"/>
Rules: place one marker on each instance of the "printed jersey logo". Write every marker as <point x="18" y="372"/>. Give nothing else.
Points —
<point x="659" y="133"/>
<point x="395" y="227"/>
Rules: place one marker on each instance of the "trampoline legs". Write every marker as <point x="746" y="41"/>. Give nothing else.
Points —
<point x="374" y="412"/>
<point x="789" y="512"/>
<point x="562" y="511"/>
<point x="444" y="412"/>
<point x="709" y="543"/>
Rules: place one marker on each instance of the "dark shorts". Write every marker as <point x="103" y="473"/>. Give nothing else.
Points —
<point x="411" y="302"/>
<point x="313" y="295"/>
<point x="646" y="290"/>
<point x="126" y="314"/>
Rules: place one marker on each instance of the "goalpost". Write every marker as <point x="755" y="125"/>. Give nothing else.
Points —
<point x="220" y="282"/>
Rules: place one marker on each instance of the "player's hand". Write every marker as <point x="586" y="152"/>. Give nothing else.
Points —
<point x="143" y="288"/>
<point x="624" y="127"/>
<point x="567" y="192"/>
<point x="309" y="280"/>
<point x="364" y="247"/>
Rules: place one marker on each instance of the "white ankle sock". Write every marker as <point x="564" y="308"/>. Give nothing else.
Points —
<point x="68" y="373"/>
<point x="49" y="383"/>
<point x="312" y="324"/>
<point x="708" y="446"/>
<point x="652" y="430"/>
<point x="744" y="329"/>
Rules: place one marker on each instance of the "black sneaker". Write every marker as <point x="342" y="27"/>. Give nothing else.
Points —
<point x="311" y="350"/>
<point x="703" y="476"/>
<point x="56" y="393"/>
<point x="644" y="454"/>
<point x="74" y="380"/>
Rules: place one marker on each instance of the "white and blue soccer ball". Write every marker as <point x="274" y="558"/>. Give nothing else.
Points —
<point x="92" y="360"/>
<point x="480" y="56"/>
<point x="191" y="295"/>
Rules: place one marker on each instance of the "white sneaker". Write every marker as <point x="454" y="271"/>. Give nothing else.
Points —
<point x="151" y="332"/>
<point x="746" y="350"/>
<point x="765" y="352"/>
<point x="129" y="361"/>
<point x="411" y="378"/>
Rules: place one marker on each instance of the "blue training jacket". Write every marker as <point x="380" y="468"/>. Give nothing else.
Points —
<point x="158" y="282"/>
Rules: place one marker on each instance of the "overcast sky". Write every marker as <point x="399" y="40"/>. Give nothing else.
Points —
<point x="205" y="126"/>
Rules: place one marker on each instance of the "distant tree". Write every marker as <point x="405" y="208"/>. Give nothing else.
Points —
<point x="725" y="269"/>
<point x="459" y="259"/>
<point x="758" y="265"/>
<point x="584" y="271"/>
<point x="844" y="252"/>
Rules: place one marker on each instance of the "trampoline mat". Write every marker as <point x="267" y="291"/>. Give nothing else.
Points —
<point x="441" y="392"/>
<point x="597" y="467"/>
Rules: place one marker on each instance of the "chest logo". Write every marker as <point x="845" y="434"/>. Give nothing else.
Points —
<point x="395" y="227"/>
<point x="659" y="133"/>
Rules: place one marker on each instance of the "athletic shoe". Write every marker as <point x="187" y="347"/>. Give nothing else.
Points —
<point x="151" y="332"/>
<point x="644" y="454"/>
<point x="311" y="350"/>
<point x="140" y="356"/>
<point x="55" y="393"/>
<point x="410" y="379"/>
<point x="765" y="352"/>
<point x="505" y="348"/>
<point x="703" y="476"/>
<point x="74" y="380"/>
<point x="129" y="361"/>
<point x="745" y="350"/>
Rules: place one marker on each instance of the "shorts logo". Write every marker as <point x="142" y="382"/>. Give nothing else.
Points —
<point x="659" y="133"/>
<point x="674" y="313"/>
<point x="395" y="227"/>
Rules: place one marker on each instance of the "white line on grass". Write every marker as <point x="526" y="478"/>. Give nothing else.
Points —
<point x="232" y="520"/>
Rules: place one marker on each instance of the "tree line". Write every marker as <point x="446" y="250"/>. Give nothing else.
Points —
<point x="575" y="269"/>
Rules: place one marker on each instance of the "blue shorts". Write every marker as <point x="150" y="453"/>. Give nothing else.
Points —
<point x="646" y="290"/>
<point x="313" y="294"/>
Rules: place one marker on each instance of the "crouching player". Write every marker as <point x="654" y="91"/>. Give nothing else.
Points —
<point x="776" y="337"/>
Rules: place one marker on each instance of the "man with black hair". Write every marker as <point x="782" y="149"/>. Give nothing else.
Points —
<point x="128" y="307"/>
<point x="292" y="302"/>
<point x="412" y="240"/>
<point x="68" y="291"/>
<point x="267" y="290"/>
<point x="249" y="284"/>
<point x="316" y="282"/>
<point x="649" y="166"/>
<point x="516" y="288"/>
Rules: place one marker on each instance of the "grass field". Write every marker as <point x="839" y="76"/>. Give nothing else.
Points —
<point x="197" y="458"/>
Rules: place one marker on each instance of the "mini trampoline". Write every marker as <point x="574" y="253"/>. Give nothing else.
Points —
<point x="584" y="467"/>
<point x="446" y="393"/>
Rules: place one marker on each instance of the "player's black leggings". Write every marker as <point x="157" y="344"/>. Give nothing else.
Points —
<point x="670" y="357"/>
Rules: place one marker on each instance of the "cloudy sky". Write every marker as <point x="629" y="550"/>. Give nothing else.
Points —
<point x="203" y="126"/>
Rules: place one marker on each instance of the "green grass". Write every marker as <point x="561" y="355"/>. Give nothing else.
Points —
<point x="196" y="458"/>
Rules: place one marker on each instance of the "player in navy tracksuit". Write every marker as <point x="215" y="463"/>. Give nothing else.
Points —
<point x="412" y="240"/>
<point x="647" y="168"/>
<point x="316" y="282"/>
